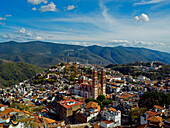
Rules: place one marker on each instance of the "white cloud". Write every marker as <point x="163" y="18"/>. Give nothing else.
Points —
<point x="70" y="7"/>
<point x="142" y="17"/>
<point x="21" y="35"/>
<point x="6" y="36"/>
<point x="36" y="2"/>
<point x="134" y="43"/>
<point x="8" y="15"/>
<point x="49" y="7"/>
<point x="143" y="2"/>
<point x="21" y="31"/>
<point x="38" y="38"/>
<point x="2" y="18"/>
<point x="2" y="23"/>
<point x="34" y="8"/>
<point x="29" y="34"/>
<point x="137" y="18"/>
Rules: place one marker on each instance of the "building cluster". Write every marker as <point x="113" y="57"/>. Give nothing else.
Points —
<point x="58" y="97"/>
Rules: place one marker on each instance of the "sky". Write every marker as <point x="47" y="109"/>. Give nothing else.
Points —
<point x="130" y="23"/>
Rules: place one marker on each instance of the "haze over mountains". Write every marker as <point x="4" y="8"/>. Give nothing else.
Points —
<point x="45" y="53"/>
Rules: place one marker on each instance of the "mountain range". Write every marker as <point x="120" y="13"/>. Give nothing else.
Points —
<point x="45" y="53"/>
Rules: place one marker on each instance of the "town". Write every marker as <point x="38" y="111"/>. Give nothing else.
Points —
<point x="75" y="95"/>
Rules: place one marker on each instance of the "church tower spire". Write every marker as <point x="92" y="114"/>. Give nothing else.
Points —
<point x="95" y="84"/>
<point x="103" y="81"/>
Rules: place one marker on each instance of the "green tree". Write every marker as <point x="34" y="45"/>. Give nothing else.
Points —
<point x="107" y="102"/>
<point x="52" y="81"/>
<point x="101" y="98"/>
<point x="149" y="99"/>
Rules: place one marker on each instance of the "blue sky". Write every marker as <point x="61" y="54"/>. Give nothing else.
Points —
<point x="136" y="23"/>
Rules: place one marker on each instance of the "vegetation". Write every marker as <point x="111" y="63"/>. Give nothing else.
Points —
<point x="13" y="73"/>
<point x="129" y="69"/>
<point x="28" y="122"/>
<point x="107" y="102"/>
<point x="52" y="53"/>
<point x="149" y="99"/>
<point x="136" y="113"/>
<point x="101" y="98"/>
<point x="19" y="106"/>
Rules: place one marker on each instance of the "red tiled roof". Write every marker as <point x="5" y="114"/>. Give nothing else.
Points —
<point x="107" y="122"/>
<point x="96" y="126"/>
<point x="155" y="119"/>
<point x="65" y="104"/>
<point x="159" y="107"/>
<point x="143" y="126"/>
<point x="113" y="109"/>
<point x="1" y="105"/>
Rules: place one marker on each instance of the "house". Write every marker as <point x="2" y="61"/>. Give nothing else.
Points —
<point x="144" y="118"/>
<point x="49" y="122"/>
<point x="158" y="108"/>
<point x="110" y="118"/>
<point x="67" y="108"/>
<point x="155" y="121"/>
<point x="9" y="116"/>
<point x="108" y="124"/>
<point x="88" y="112"/>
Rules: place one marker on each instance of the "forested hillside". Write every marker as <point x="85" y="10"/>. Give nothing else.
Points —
<point x="44" y="54"/>
<point x="12" y="73"/>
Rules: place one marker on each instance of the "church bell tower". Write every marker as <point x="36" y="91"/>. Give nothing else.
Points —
<point x="103" y="81"/>
<point x="95" y="85"/>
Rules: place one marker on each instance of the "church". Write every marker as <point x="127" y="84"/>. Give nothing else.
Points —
<point x="90" y="88"/>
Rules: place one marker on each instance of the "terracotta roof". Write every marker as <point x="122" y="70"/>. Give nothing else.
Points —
<point x="143" y="126"/>
<point x="1" y="105"/>
<point x="96" y="126"/>
<point x="43" y="100"/>
<point x="114" y="87"/>
<point x="8" y="110"/>
<point x="107" y="122"/>
<point x="168" y="120"/>
<point x="26" y="112"/>
<point x="152" y="113"/>
<point x="159" y="107"/>
<point x="108" y="77"/>
<point x="92" y="104"/>
<point x="113" y="109"/>
<point x="16" y="110"/>
<point x="49" y="121"/>
<point x="155" y="119"/>
<point x="123" y="97"/>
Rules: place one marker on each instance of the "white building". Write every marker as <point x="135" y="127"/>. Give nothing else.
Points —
<point x="88" y="112"/>
<point x="111" y="118"/>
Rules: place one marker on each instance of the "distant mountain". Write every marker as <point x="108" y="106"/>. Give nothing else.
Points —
<point x="45" y="53"/>
<point x="12" y="73"/>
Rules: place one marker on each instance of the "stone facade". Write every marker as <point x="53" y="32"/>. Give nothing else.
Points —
<point x="90" y="89"/>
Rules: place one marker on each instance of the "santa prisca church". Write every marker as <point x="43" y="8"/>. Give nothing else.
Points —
<point x="90" y="88"/>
